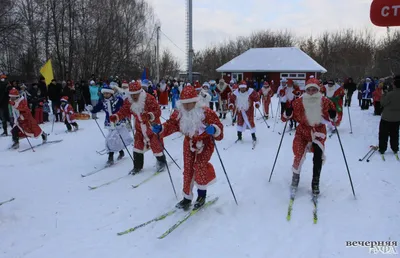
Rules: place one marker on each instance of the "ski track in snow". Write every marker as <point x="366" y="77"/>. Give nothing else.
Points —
<point x="55" y="215"/>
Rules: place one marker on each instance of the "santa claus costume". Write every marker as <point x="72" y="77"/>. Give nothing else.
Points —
<point x="243" y="100"/>
<point x="163" y="94"/>
<point x="203" y="93"/>
<point x="311" y="111"/>
<point x="281" y="95"/>
<point x="266" y="94"/>
<point x="69" y="115"/>
<point x="118" y="135"/>
<point x="24" y="124"/>
<point x="288" y="94"/>
<point x="200" y="125"/>
<point x="223" y="91"/>
<point x="335" y="93"/>
<point x="145" y="110"/>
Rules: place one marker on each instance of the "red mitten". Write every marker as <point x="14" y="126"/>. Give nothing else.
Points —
<point x="12" y="103"/>
<point x="113" y="118"/>
<point x="282" y="92"/>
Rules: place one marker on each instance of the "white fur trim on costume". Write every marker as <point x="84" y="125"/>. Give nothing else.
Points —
<point x="242" y="86"/>
<point x="158" y="154"/>
<point x="191" y="100"/>
<point x="152" y="116"/>
<point x="107" y="91"/>
<point x="311" y="85"/>
<point x="217" y="131"/>
<point x="139" y="151"/>
<point x="13" y="96"/>
<point x="204" y="187"/>
<point x="135" y="92"/>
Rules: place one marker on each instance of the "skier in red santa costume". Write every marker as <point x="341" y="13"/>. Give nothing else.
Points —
<point x="223" y="91"/>
<point x="145" y="110"/>
<point x="311" y="111"/>
<point x="335" y="93"/>
<point x="288" y="95"/>
<point x="266" y="94"/>
<point x="25" y="125"/>
<point x="163" y="94"/>
<point x="245" y="99"/>
<point x="199" y="124"/>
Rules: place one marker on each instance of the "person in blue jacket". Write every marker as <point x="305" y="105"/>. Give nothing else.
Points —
<point x="175" y="94"/>
<point x="118" y="135"/>
<point x="366" y="91"/>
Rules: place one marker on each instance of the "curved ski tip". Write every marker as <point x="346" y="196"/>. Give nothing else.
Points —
<point x="91" y="187"/>
<point x="135" y="186"/>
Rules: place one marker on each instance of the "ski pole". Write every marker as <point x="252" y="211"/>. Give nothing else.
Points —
<point x="123" y="142"/>
<point x="166" y="164"/>
<point x="100" y="128"/>
<point x="263" y="118"/>
<point x="279" y="148"/>
<point x="370" y="150"/>
<point x="351" y="127"/>
<point x="345" y="160"/>
<point x="372" y="153"/>
<point x="272" y="110"/>
<point x="276" y="116"/>
<point x="223" y="167"/>
<point x="54" y="119"/>
<point x="27" y="138"/>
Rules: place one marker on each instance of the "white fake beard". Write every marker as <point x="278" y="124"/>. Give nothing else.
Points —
<point x="138" y="106"/>
<point x="313" y="108"/>
<point x="242" y="101"/>
<point x="330" y="91"/>
<point x="190" y="122"/>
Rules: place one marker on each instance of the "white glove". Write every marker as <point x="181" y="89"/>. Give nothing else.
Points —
<point x="89" y="108"/>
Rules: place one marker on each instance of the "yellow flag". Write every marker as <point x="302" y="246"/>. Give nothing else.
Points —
<point x="47" y="72"/>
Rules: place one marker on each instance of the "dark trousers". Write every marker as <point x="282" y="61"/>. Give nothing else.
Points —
<point x="386" y="130"/>
<point x="5" y="117"/>
<point x="15" y="133"/>
<point x="216" y="105"/>
<point x="69" y="127"/>
<point x="283" y="107"/>
<point x="317" y="161"/>
<point x="348" y="98"/>
<point x="378" y="108"/>
<point x="365" y="104"/>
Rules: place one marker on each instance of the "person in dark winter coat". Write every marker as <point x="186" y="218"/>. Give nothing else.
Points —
<point x="4" y="113"/>
<point x="390" y="120"/>
<point x="54" y="94"/>
<point x="350" y="87"/>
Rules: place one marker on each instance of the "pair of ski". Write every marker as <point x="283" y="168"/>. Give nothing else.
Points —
<point x="7" y="201"/>
<point x="167" y="214"/>
<point x="119" y="178"/>
<point x="371" y="152"/>
<point x="40" y="144"/>
<point x="253" y="146"/>
<point x="72" y="131"/>
<point x="101" y="168"/>
<point x="314" y="200"/>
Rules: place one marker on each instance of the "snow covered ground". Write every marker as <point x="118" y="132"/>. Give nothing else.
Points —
<point x="55" y="215"/>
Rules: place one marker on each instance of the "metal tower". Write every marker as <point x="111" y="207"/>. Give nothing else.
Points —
<point x="189" y="38"/>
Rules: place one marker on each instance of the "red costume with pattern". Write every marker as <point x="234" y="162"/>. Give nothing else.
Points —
<point x="289" y="94"/>
<point x="163" y="94"/>
<point x="145" y="111"/>
<point x="244" y="105"/>
<point x="224" y="91"/>
<point x="336" y="95"/>
<point x="23" y="117"/>
<point x="198" y="146"/>
<point x="312" y="116"/>
<point x="266" y="94"/>
<point x="67" y="110"/>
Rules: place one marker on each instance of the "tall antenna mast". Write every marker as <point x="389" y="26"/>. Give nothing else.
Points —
<point x="189" y="20"/>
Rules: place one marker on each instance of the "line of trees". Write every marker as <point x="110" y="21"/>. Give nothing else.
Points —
<point x="83" y="37"/>
<point x="345" y="53"/>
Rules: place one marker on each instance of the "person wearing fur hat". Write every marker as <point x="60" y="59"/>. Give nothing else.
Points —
<point x="25" y="125"/>
<point x="199" y="124"/>
<point x="311" y="111"/>
<point x="203" y="93"/>
<point x="266" y="94"/>
<point x="223" y="91"/>
<point x="68" y="114"/>
<point x="281" y="94"/>
<point x="111" y="104"/>
<point x="288" y="95"/>
<point x="335" y="93"/>
<point x="243" y="101"/>
<point x="145" y="110"/>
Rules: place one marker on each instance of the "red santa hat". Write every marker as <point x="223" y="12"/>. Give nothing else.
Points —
<point x="64" y="99"/>
<point x="290" y="81"/>
<point x="189" y="95"/>
<point x="197" y="85"/>
<point x="125" y="84"/>
<point x="243" y="85"/>
<point x="135" y="88"/>
<point x="312" y="83"/>
<point x="266" y="84"/>
<point x="13" y="93"/>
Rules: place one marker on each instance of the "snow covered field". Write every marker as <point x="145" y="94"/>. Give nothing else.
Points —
<point x="54" y="214"/>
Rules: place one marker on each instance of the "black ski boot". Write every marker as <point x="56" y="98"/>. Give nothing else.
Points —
<point x="4" y="134"/>
<point x="15" y="145"/>
<point x="44" y="137"/>
<point x="110" y="160"/>
<point x="184" y="204"/>
<point x="201" y="199"/>
<point x="220" y="115"/>
<point x="253" y="136"/>
<point x="121" y="155"/>
<point x="224" y="116"/>
<point x="138" y="161"/>
<point x="161" y="163"/>
<point x="315" y="188"/>
<point x="239" y="135"/>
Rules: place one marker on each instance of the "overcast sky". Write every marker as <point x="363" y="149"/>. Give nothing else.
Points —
<point x="215" y="21"/>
